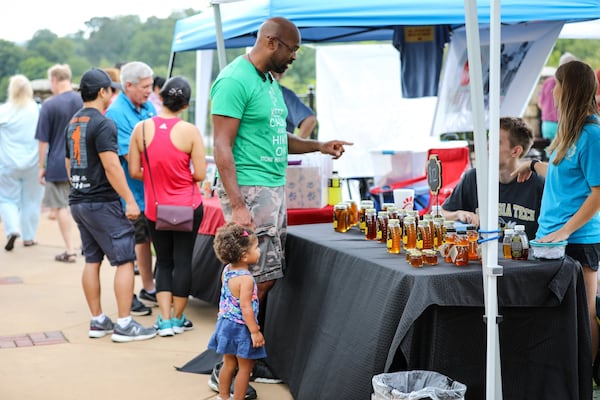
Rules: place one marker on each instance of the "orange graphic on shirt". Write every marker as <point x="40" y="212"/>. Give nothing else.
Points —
<point x="76" y="137"/>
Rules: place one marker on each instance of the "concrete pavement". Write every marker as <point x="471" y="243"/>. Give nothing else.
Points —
<point x="45" y="352"/>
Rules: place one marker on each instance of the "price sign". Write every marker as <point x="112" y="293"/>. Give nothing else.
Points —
<point x="434" y="174"/>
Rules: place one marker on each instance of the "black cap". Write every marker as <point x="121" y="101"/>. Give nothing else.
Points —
<point x="95" y="79"/>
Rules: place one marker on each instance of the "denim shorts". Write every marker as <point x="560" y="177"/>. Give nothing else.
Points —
<point x="105" y="230"/>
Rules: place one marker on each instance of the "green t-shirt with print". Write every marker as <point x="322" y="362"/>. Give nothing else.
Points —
<point x="260" y="149"/>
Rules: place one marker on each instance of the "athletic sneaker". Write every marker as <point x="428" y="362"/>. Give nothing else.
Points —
<point x="261" y="373"/>
<point x="132" y="332"/>
<point x="139" y="308"/>
<point x="181" y="324"/>
<point x="98" y="330"/>
<point x="213" y="383"/>
<point x="147" y="296"/>
<point x="164" y="328"/>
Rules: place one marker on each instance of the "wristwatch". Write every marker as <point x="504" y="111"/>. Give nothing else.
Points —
<point x="532" y="165"/>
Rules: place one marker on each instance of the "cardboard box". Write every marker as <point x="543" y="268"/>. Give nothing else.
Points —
<point x="304" y="187"/>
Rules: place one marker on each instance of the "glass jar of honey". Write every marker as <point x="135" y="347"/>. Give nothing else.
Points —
<point x="415" y="258"/>
<point x="386" y="206"/>
<point x="352" y="213"/>
<point x="409" y="233"/>
<point x="438" y="231"/>
<point x="340" y="217"/>
<point x="394" y="236"/>
<point x="370" y="224"/>
<point x="461" y="245"/>
<point x="473" y="236"/>
<point x="364" y="205"/>
<point x="424" y="235"/>
<point x="382" y="226"/>
<point x="449" y="241"/>
<point x="430" y="257"/>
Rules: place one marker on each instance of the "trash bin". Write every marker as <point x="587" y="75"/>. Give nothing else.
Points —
<point x="416" y="385"/>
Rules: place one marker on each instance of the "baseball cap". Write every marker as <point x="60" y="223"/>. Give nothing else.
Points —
<point x="94" y="79"/>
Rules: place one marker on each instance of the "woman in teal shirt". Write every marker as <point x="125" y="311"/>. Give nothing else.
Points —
<point x="571" y="198"/>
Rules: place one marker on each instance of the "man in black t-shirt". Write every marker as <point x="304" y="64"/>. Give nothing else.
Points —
<point x="97" y="181"/>
<point x="519" y="203"/>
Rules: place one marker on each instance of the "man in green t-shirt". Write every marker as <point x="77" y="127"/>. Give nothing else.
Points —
<point x="251" y="144"/>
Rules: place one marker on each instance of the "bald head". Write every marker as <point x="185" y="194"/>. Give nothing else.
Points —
<point x="277" y="43"/>
<point x="279" y="27"/>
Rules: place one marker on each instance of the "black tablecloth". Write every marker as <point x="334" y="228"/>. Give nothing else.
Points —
<point x="347" y="310"/>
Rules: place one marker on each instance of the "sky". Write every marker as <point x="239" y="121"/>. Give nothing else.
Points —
<point x="22" y="18"/>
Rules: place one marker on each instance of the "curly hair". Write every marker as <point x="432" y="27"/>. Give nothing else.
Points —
<point x="232" y="241"/>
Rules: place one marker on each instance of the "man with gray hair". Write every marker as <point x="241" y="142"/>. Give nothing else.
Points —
<point x="130" y="107"/>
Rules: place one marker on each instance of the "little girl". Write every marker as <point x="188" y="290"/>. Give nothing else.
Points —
<point x="237" y="335"/>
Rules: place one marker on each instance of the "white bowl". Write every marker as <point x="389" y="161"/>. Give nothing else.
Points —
<point x="548" y="251"/>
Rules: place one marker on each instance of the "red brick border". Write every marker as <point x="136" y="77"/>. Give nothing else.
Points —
<point x="32" y="339"/>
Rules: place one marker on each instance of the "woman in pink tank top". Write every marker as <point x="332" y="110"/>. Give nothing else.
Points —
<point x="176" y="158"/>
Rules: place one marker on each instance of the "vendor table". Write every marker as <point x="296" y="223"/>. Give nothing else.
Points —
<point x="347" y="310"/>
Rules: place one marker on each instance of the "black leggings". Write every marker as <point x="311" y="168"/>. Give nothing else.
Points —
<point x="174" y="252"/>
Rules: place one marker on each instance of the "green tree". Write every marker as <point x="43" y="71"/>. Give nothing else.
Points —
<point x="49" y="46"/>
<point x="11" y="56"/>
<point x="35" y="67"/>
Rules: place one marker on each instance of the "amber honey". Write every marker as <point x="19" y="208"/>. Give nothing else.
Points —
<point x="340" y="218"/>
<point x="424" y="236"/>
<point x="461" y="245"/>
<point x="394" y="236"/>
<point x="370" y="224"/>
<point x="430" y="257"/>
<point x="409" y="233"/>
<point x="449" y="241"/>
<point x="415" y="258"/>
<point x="472" y="237"/>
<point x="382" y="226"/>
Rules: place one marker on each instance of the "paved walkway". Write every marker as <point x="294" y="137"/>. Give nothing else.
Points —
<point x="45" y="352"/>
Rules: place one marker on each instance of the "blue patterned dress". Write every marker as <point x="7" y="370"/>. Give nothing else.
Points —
<point x="231" y="334"/>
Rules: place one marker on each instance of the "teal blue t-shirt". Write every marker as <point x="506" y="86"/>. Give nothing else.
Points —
<point x="568" y="185"/>
<point x="260" y="149"/>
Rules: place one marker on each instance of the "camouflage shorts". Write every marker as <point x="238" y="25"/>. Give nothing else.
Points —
<point x="267" y="207"/>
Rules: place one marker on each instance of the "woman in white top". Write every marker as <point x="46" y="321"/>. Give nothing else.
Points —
<point x="20" y="191"/>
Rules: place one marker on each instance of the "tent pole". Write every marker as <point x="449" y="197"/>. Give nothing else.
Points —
<point x="486" y="166"/>
<point x="494" y="270"/>
<point x="219" y="35"/>
<point x="171" y="64"/>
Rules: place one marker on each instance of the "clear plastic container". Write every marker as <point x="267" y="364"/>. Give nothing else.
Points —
<point x="548" y="251"/>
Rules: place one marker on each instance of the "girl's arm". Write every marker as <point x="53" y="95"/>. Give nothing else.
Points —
<point x="588" y="209"/>
<point x="246" y="289"/>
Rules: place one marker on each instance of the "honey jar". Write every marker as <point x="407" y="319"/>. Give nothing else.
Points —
<point x="394" y="236"/>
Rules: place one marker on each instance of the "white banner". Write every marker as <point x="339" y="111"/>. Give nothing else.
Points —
<point x="524" y="51"/>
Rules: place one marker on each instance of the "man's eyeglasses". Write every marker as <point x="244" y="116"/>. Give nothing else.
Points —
<point x="290" y="48"/>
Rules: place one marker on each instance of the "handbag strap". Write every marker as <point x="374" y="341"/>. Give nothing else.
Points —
<point x="150" y="170"/>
